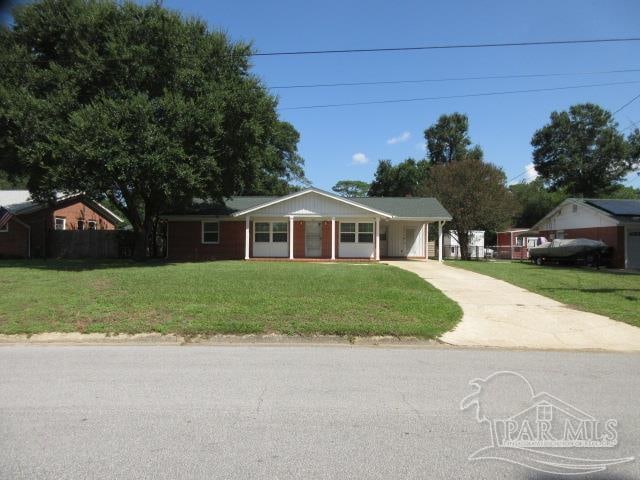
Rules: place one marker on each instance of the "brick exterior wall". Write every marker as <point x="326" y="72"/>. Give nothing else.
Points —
<point x="298" y="239"/>
<point x="326" y="239"/>
<point x="612" y="236"/>
<point x="14" y="243"/>
<point x="80" y="211"/>
<point x="185" y="242"/>
<point x="42" y="221"/>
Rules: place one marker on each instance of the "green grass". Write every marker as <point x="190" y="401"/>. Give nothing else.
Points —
<point x="220" y="297"/>
<point x="616" y="295"/>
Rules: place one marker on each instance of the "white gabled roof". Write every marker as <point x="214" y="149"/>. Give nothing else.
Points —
<point x="308" y="191"/>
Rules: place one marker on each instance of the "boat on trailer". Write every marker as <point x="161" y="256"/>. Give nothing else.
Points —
<point x="570" y="250"/>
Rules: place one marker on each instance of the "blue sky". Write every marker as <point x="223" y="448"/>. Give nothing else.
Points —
<point x="501" y="125"/>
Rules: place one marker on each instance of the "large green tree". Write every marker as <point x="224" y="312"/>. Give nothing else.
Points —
<point x="138" y="104"/>
<point x="535" y="201"/>
<point x="474" y="193"/>
<point x="582" y="151"/>
<point x="448" y="140"/>
<point x="351" y="188"/>
<point x="401" y="180"/>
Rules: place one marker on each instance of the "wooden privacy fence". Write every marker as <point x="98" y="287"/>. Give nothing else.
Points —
<point x="90" y="244"/>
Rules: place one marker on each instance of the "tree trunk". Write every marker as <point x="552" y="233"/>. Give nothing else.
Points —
<point x="463" y="240"/>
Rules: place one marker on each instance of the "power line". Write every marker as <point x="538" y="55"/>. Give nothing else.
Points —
<point x="627" y="104"/>
<point x="467" y="95"/>
<point x="448" y="47"/>
<point x="451" y="79"/>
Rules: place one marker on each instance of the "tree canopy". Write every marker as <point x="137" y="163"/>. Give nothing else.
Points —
<point x="535" y="201"/>
<point x="351" y="188"/>
<point x="448" y="140"/>
<point x="475" y="194"/>
<point x="401" y="180"/>
<point x="582" y="151"/>
<point x="136" y="103"/>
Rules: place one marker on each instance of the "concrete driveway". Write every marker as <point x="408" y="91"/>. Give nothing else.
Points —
<point x="499" y="314"/>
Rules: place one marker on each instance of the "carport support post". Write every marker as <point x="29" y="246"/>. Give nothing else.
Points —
<point x="440" y="241"/>
<point x="426" y="241"/>
<point x="290" y="237"/>
<point x="333" y="238"/>
<point x="377" y="238"/>
<point x="247" y="237"/>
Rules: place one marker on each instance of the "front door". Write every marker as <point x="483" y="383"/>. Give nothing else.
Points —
<point x="409" y="240"/>
<point x="313" y="239"/>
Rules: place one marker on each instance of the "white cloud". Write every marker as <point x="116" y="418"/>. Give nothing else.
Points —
<point x="403" y="137"/>
<point x="359" y="158"/>
<point x="527" y="176"/>
<point x="531" y="174"/>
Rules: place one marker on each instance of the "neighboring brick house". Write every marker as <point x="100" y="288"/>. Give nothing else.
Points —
<point x="310" y="224"/>
<point x="615" y="222"/>
<point x="26" y="233"/>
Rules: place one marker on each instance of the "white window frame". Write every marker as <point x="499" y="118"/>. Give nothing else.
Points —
<point x="354" y="233"/>
<point x="5" y="229"/>
<point x="55" y="223"/>
<point x="79" y="222"/>
<point x="90" y="222"/>
<point x="202" y="232"/>
<point x="270" y="232"/>
<point x="372" y="232"/>
<point x="273" y="232"/>
<point x="357" y="232"/>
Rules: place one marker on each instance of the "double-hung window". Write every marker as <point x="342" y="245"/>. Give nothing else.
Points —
<point x="60" y="223"/>
<point x="352" y="232"/>
<point x="279" y="232"/>
<point x="365" y="232"/>
<point x="210" y="232"/>
<point x="262" y="232"/>
<point x="347" y="232"/>
<point x="275" y="232"/>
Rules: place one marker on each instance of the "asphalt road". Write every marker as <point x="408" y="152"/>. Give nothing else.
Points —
<point x="284" y="411"/>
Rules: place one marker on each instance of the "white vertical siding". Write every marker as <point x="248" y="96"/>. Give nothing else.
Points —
<point x="311" y="204"/>
<point x="396" y="243"/>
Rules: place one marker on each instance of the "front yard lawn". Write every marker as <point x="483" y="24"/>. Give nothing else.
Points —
<point x="220" y="297"/>
<point x="616" y="295"/>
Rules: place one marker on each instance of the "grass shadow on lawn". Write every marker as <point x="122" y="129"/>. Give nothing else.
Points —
<point x="81" y="265"/>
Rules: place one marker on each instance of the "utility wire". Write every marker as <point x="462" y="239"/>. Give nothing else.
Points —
<point x="467" y="95"/>
<point x="448" y="46"/>
<point x="627" y="104"/>
<point x="452" y="79"/>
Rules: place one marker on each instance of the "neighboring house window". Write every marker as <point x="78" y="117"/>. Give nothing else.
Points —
<point x="365" y="233"/>
<point x="210" y="232"/>
<point x="575" y="208"/>
<point x="61" y="223"/>
<point x="261" y="234"/>
<point x="80" y="224"/>
<point x="5" y="229"/>
<point x="279" y="234"/>
<point x="348" y="232"/>
<point x="92" y="225"/>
